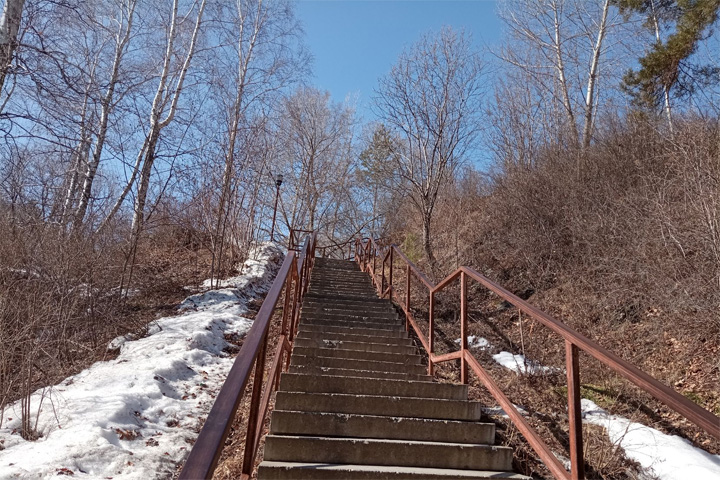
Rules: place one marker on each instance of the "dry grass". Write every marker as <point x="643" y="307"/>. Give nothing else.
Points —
<point x="626" y="253"/>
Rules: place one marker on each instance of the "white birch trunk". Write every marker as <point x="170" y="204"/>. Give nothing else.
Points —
<point x="9" y="27"/>
<point x="592" y="79"/>
<point x="106" y="107"/>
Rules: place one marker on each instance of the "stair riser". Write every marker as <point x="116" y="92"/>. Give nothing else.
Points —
<point x="373" y="332"/>
<point x="310" y="370"/>
<point x="369" y="405"/>
<point x="358" y="355"/>
<point x="313" y="471"/>
<point x="353" y="324"/>
<point x="380" y="317"/>
<point x="395" y="428"/>
<point x="342" y="311"/>
<point x="313" y="300"/>
<point x="315" y="361"/>
<point x="367" y="347"/>
<point x="363" y="452"/>
<point x="292" y="382"/>
<point x="354" y="338"/>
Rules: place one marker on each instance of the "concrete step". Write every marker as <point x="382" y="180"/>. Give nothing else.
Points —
<point x="357" y="279"/>
<point x="343" y="292"/>
<point x="354" y="323"/>
<point x="356" y="308"/>
<point x="339" y="296"/>
<point x="355" y="364"/>
<point x="432" y="408"/>
<point x="354" y="338"/>
<point x="297" y="382"/>
<point x="346" y="372"/>
<point x="363" y="451"/>
<point x="373" y="300"/>
<point x="341" y="311"/>
<point x="355" y="330"/>
<point x="342" y="314"/>
<point x="350" y="345"/>
<point x="357" y="355"/>
<point x="327" y="471"/>
<point x="323" y="424"/>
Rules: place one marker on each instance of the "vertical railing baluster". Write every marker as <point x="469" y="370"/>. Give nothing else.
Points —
<point x="407" y="299"/>
<point x="296" y="302"/>
<point x="250" y="445"/>
<point x="286" y="305"/>
<point x="572" y="365"/>
<point x="463" y="328"/>
<point x="390" y="276"/>
<point x="431" y="333"/>
<point x="382" y="279"/>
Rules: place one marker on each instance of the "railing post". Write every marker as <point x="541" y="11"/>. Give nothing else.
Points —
<point x="407" y="299"/>
<point x="390" y="280"/>
<point x="250" y="445"/>
<point x="463" y="328"/>
<point x="286" y="305"/>
<point x="572" y="366"/>
<point x="296" y="302"/>
<point x="382" y="280"/>
<point x="431" y="333"/>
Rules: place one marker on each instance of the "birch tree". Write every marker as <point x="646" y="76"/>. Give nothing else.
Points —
<point x="124" y="23"/>
<point x="432" y="100"/>
<point x="561" y="45"/>
<point x="9" y="27"/>
<point x="164" y="106"/>
<point x="316" y="159"/>
<point x="265" y="59"/>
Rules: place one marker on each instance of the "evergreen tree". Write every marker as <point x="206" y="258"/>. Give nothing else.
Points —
<point x="667" y="65"/>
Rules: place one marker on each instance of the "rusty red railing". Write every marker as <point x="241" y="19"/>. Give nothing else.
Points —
<point x="292" y="279"/>
<point x="367" y="254"/>
<point x="295" y="236"/>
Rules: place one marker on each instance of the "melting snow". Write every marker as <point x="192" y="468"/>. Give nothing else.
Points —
<point x="520" y="364"/>
<point x="138" y="415"/>
<point x="476" y="342"/>
<point x="668" y="457"/>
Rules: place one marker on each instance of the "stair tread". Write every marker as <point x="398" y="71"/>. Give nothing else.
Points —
<point x="380" y="405"/>
<point x="333" y="424"/>
<point x="373" y="451"/>
<point x="332" y="471"/>
<point x="357" y="403"/>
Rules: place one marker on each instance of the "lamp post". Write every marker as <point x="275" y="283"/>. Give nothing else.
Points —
<point x="278" y="182"/>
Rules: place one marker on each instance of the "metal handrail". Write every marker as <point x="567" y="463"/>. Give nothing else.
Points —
<point x="366" y="253"/>
<point x="292" y="237"/>
<point x="293" y="279"/>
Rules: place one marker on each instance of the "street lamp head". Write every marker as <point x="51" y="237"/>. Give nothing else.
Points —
<point x="279" y="180"/>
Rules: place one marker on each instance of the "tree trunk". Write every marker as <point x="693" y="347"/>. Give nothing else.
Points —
<point x="9" y="27"/>
<point x="592" y="80"/>
<point x="106" y="106"/>
<point x="427" y="242"/>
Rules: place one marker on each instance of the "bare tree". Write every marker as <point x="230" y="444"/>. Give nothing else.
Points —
<point x="162" y="112"/>
<point x="266" y="58"/>
<point x="9" y="27"/>
<point x="122" y="37"/>
<point x="560" y="45"/>
<point x="316" y="157"/>
<point x="432" y="100"/>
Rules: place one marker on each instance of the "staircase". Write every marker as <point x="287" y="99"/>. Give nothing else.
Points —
<point x="357" y="404"/>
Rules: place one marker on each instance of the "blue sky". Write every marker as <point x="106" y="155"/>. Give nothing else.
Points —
<point x="356" y="42"/>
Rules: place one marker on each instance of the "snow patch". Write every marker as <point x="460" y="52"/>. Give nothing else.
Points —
<point x="476" y="342"/>
<point x="138" y="415"/>
<point x="668" y="457"/>
<point x="521" y="365"/>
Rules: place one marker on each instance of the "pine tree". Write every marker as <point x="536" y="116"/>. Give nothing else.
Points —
<point x="668" y="66"/>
